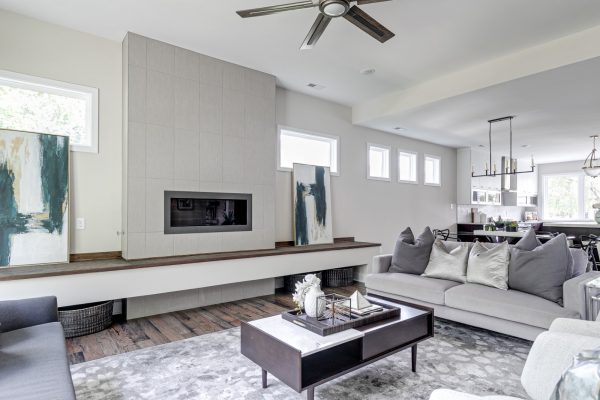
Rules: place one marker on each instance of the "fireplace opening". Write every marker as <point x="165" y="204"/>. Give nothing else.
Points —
<point x="197" y="212"/>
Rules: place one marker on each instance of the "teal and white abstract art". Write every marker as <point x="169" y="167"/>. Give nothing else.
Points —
<point x="312" y="205"/>
<point x="34" y="198"/>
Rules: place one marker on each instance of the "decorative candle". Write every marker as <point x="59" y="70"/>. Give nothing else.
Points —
<point x="494" y="168"/>
<point x="532" y="162"/>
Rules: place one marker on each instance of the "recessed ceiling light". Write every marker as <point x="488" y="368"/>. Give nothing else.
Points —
<point x="367" y="71"/>
<point x="525" y="146"/>
<point x="482" y="146"/>
<point x="315" y="86"/>
<point x="399" y="128"/>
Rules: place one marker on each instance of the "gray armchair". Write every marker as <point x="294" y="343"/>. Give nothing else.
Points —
<point x="34" y="363"/>
<point x="18" y="314"/>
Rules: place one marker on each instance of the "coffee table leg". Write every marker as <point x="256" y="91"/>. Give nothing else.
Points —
<point x="414" y="358"/>
<point x="309" y="394"/>
<point x="264" y="379"/>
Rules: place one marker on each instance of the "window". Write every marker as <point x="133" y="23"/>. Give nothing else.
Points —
<point x="379" y="162"/>
<point x="34" y="104"/>
<point x="570" y="196"/>
<point x="432" y="170"/>
<point x="307" y="148"/>
<point x="407" y="166"/>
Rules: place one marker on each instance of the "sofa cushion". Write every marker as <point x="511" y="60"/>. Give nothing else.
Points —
<point x="411" y="255"/>
<point x="416" y="287"/>
<point x="34" y="365"/>
<point x="489" y="266"/>
<point x="529" y="241"/>
<point x="448" y="264"/>
<point x="543" y="270"/>
<point x="511" y="305"/>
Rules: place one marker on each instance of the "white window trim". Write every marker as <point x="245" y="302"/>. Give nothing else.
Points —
<point x="312" y="134"/>
<point x="379" y="146"/>
<point x="23" y="81"/>
<point x="425" y="156"/>
<point x="580" y="194"/>
<point x="416" y="181"/>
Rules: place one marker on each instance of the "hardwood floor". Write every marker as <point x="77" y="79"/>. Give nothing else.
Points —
<point x="165" y="328"/>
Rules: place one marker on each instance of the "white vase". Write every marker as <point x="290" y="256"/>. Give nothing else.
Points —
<point x="311" y="307"/>
<point x="597" y="216"/>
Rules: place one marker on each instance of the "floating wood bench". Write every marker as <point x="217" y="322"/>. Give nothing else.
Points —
<point x="90" y="281"/>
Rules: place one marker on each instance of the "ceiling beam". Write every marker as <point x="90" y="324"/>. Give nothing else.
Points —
<point x="564" y="51"/>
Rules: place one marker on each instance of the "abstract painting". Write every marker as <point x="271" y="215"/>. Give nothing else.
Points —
<point x="312" y="205"/>
<point x="34" y="198"/>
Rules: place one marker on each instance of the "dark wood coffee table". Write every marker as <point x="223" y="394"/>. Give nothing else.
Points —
<point x="304" y="360"/>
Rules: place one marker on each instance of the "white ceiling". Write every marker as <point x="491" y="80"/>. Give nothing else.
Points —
<point x="433" y="38"/>
<point x="556" y="112"/>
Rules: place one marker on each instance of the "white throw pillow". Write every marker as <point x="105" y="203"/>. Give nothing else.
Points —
<point x="450" y="265"/>
<point x="489" y="266"/>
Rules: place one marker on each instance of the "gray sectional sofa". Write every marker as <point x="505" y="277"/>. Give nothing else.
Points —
<point x="33" y="353"/>
<point x="506" y="311"/>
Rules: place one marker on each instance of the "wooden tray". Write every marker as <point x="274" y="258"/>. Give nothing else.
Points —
<point x="326" y="327"/>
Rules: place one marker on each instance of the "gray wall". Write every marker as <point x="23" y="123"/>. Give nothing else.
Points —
<point x="367" y="209"/>
<point x="193" y="123"/>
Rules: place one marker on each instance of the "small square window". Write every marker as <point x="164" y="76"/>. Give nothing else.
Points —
<point x="432" y="170"/>
<point x="407" y="166"/>
<point x="307" y="148"/>
<point x="379" y="162"/>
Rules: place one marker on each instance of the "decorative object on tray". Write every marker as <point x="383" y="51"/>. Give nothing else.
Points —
<point x="313" y="305"/>
<point x="34" y="198"/>
<point x="339" y="318"/>
<point x="596" y="206"/>
<point x="312" y="202"/>
<point x="360" y="306"/>
<point x="338" y="277"/>
<point x="302" y="288"/>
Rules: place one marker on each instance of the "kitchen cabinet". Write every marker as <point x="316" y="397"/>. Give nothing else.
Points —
<point x="527" y="185"/>
<point x="480" y="190"/>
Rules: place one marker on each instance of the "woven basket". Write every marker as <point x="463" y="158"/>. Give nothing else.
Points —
<point x="338" y="277"/>
<point x="86" y="319"/>
<point x="290" y="280"/>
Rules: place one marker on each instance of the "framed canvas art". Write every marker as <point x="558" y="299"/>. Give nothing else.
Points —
<point x="312" y="205"/>
<point x="34" y="198"/>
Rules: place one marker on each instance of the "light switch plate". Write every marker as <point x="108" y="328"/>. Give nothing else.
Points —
<point x="80" y="223"/>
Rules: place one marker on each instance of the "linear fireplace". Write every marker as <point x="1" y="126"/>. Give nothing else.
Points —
<point x="200" y="212"/>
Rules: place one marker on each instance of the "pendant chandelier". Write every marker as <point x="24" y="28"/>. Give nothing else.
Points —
<point x="591" y="165"/>
<point x="510" y="167"/>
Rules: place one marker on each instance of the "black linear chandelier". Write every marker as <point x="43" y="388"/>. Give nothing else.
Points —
<point x="510" y="167"/>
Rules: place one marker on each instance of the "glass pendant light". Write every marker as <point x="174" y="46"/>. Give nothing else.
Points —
<point x="591" y="165"/>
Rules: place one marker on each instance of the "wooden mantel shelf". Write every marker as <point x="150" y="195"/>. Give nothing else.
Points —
<point x="86" y="267"/>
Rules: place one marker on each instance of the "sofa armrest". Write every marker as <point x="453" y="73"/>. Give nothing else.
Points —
<point x="574" y="292"/>
<point x="381" y="264"/>
<point x="551" y="354"/>
<point x="17" y="314"/>
<point x="576" y="326"/>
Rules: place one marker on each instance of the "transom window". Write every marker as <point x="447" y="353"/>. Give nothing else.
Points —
<point x="301" y="147"/>
<point x="432" y="166"/>
<point x="407" y="166"/>
<point x="379" y="162"/>
<point x="570" y="196"/>
<point x="29" y="103"/>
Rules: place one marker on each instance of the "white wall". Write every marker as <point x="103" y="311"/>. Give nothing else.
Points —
<point x="366" y="209"/>
<point x="33" y="47"/>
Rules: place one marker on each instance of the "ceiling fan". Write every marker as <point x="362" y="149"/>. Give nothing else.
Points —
<point x="328" y="9"/>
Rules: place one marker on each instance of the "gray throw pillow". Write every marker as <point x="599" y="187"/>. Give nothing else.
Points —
<point x="529" y="241"/>
<point x="412" y="256"/>
<point x="448" y="264"/>
<point x="543" y="270"/>
<point x="489" y="266"/>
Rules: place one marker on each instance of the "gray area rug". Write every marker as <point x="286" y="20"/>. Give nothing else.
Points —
<point x="211" y="367"/>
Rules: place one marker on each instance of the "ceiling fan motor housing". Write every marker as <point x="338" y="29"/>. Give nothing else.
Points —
<point x="334" y="8"/>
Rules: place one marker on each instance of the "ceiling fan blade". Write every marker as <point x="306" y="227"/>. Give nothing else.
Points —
<point x="315" y="32"/>
<point x="361" y="2"/>
<point x="368" y="24"/>
<point x="257" y="12"/>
